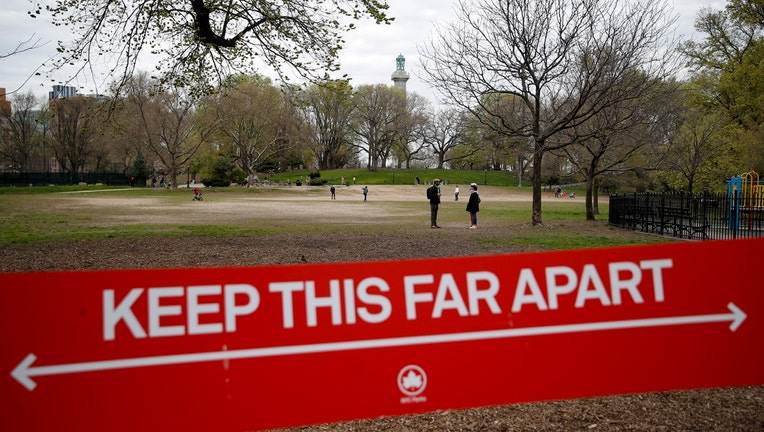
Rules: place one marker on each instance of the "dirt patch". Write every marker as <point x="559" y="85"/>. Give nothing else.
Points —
<point x="290" y="204"/>
<point x="734" y="409"/>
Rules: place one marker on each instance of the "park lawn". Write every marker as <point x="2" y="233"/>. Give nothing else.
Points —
<point x="38" y="216"/>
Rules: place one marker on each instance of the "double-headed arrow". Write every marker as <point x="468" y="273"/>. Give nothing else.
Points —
<point x="24" y="372"/>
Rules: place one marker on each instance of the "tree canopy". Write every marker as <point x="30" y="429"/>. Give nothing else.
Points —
<point x="202" y="41"/>
<point x="728" y="83"/>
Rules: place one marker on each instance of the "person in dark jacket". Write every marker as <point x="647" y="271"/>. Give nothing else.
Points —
<point x="473" y="205"/>
<point x="433" y="194"/>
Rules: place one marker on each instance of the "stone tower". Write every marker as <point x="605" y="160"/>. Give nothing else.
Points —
<point x="400" y="76"/>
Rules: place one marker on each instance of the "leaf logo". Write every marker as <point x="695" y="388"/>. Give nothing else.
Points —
<point x="412" y="380"/>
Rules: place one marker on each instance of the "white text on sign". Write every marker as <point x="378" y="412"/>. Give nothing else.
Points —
<point x="427" y="296"/>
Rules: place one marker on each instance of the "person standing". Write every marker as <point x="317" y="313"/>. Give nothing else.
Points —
<point x="456" y="193"/>
<point x="473" y="205"/>
<point x="365" y="192"/>
<point x="433" y="194"/>
<point x="332" y="190"/>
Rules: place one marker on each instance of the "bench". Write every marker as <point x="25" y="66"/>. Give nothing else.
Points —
<point x="682" y="222"/>
<point x="751" y="217"/>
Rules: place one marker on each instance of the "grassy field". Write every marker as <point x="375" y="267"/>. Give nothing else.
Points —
<point x="389" y="176"/>
<point x="49" y="214"/>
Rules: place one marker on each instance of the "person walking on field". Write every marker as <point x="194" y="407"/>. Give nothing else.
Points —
<point x="365" y="192"/>
<point x="433" y="194"/>
<point x="456" y="193"/>
<point x="473" y="205"/>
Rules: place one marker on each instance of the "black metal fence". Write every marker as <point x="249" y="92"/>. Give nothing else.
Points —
<point x="702" y="216"/>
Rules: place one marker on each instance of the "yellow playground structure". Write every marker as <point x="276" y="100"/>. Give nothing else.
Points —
<point x="746" y="195"/>
<point x="752" y="189"/>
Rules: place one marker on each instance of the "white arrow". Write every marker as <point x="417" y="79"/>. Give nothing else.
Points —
<point x="24" y="371"/>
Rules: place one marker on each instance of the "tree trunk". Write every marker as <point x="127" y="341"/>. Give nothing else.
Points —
<point x="519" y="171"/>
<point x="589" y="198"/>
<point x="174" y="176"/>
<point x="537" y="156"/>
<point x="596" y="197"/>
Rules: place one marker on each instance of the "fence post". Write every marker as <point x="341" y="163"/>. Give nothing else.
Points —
<point x="734" y="214"/>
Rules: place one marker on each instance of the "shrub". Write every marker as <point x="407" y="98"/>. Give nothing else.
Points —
<point x="222" y="170"/>
<point x="238" y="175"/>
<point x="216" y="182"/>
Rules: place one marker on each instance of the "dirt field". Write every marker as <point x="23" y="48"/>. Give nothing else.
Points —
<point x="737" y="409"/>
<point x="293" y="204"/>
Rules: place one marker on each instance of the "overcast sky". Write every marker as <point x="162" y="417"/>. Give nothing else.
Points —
<point x="368" y="58"/>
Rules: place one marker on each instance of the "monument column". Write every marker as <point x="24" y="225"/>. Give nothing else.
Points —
<point x="400" y="76"/>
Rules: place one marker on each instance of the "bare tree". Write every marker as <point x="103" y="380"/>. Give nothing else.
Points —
<point x="126" y="142"/>
<point x="446" y="131"/>
<point x="558" y="59"/>
<point x="631" y="134"/>
<point x="74" y="126"/>
<point x="327" y="109"/>
<point x="379" y="112"/>
<point x="165" y="125"/>
<point x="202" y="41"/>
<point x="19" y="131"/>
<point x="412" y="144"/>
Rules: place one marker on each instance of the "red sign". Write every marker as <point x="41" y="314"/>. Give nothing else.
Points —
<point x="234" y="349"/>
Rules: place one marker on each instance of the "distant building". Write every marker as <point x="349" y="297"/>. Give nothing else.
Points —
<point x="60" y="92"/>
<point x="96" y="96"/>
<point x="400" y="76"/>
